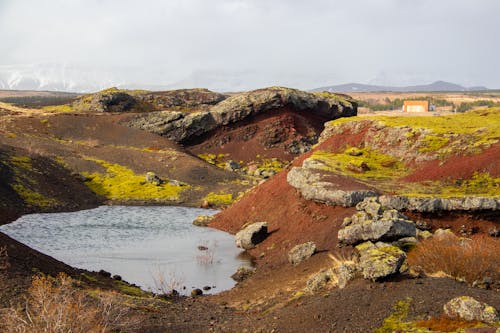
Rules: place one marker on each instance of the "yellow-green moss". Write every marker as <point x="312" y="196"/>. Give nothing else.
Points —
<point x="433" y="143"/>
<point x="33" y="198"/>
<point x="335" y="97"/>
<point x="396" y="322"/>
<point x="23" y="162"/>
<point x="58" y="108"/>
<point x="129" y="289"/>
<point x="381" y="166"/>
<point x="480" y="184"/>
<point x="121" y="183"/>
<point x="221" y="199"/>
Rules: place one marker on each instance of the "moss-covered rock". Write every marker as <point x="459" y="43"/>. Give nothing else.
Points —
<point x="379" y="260"/>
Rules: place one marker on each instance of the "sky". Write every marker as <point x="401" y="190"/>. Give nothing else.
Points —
<point x="246" y="44"/>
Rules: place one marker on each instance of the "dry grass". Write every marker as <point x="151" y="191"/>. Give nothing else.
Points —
<point x="4" y="263"/>
<point x="167" y="284"/>
<point x="445" y="324"/>
<point x="59" y="305"/>
<point x="463" y="259"/>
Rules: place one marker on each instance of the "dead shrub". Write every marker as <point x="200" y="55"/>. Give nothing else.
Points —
<point x="464" y="259"/>
<point x="59" y="305"/>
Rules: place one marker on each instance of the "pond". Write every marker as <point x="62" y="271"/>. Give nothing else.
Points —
<point x="157" y="248"/>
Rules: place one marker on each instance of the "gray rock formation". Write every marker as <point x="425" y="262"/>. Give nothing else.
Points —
<point x="252" y="235"/>
<point x="301" y="252"/>
<point x="181" y="127"/>
<point x="374" y="223"/>
<point x="468" y="308"/>
<point x="313" y="185"/>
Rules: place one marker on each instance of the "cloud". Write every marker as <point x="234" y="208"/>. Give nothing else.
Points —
<point x="258" y="42"/>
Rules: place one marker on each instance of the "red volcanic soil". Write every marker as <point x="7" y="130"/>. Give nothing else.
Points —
<point x="291" y="220"/>
<point x="267" y="135"/>
<point x="459" y="166"/>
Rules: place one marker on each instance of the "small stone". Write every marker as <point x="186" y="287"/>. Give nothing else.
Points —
<point x="152" y="178"/>
<point x="207" y="288"/>
<point x="301" y="252"/>
<point x="203" y="220"/>
<point x="196" y="292"/>
<point x="242" y="273"/>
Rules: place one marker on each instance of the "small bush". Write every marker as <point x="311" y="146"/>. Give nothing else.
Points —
<point x="464" y="259"/>
<point x="58" y="305"/>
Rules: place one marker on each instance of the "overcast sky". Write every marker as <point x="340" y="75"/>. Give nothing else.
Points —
<point x="244" y="44"/>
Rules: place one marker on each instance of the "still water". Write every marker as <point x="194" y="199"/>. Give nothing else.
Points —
<point x="153" y="247"/>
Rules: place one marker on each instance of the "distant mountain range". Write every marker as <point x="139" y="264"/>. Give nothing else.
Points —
<point x="432" y="87"/>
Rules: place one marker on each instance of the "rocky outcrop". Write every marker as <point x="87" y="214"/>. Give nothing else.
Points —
<point x="183" y="98"/>
<point x="373" y="222"/>
<point x="317" y="185"/>
<point x="316" y="182"/>
<point x="301" y="252"/>
<point x="118" y="100"/>
<point x="109" y="100"/>
<point x="430" y="205"/>
<point x="182" y="127"/>
<point x="468" y="308"/>
<point x="252" y="235"/>
<point x="379" y="260"/>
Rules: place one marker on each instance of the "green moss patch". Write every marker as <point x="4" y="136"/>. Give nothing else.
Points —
<point x="24" y="185"/>
<point x="481" y="184"/>
<point x="221" y="199"/>
<point x="121" y="183"/>
<point x="377" y="166"/>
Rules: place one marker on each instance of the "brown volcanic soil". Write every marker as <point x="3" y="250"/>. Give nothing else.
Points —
<point x="74" y="137"/>
<point x="266" y="135"/>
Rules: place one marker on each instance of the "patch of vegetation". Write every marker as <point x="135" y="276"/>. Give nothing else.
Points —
<point x="480" y="184"/>
<point x="336" y="97"/>
<point x="379" y="166"/>
<point x="121" y="183"/>
<point x="23" y="185"/>
<point x="463" y="259"/>
<point x="33" y="198"/>
<point x="482" y="103"/>
<point x="221" y="199"/>
<point x="482" y="124"/>
<point x="40" y="101"/>
<point x="60" y="305"/>
<point x="445" y="324"/>
<point x="58" y="108"/>
<point x="433" y="143"/>
<point x="217" y="160"/>
<point x="129" y="289"/>
<point x="397" y="320"/>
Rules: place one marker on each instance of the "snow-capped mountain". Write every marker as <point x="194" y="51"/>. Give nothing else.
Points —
<point x="55" y="78"/>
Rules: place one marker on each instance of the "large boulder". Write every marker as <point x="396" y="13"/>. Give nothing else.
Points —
<point x="301" y="252"/>
<point x="252" y="235"/>
<point x="468" y="308"/>
<point x="379" y="260"/>
<point x="375" y="223"/>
